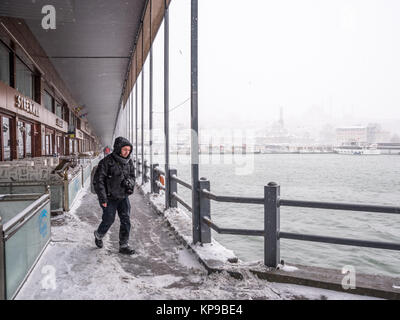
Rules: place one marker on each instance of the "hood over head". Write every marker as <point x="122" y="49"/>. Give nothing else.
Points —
<point x="119" y="143"/>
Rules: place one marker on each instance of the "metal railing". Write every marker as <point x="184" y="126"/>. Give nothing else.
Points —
<point x="272" y="203"/>
<point x="13" y="273"/>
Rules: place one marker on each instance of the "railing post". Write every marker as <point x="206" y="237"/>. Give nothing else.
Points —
<point x="139" y="169"/>
<point x="205" y="211"/>
<point x="173" y="187"/>
<point x="66" y="193"/>
<point x="146" y="171"/>
<point x="82" y="180"/>
<point x="271" y="225"/>
<point x="2" y="264"/>
<point x="154" y="178"/>
<point x="135" y="167"/>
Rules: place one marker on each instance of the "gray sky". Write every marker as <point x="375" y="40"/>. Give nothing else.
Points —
<point x="321" y="60"/>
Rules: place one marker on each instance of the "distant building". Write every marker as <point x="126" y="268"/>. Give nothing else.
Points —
<point x="348" y="135"/>
<point x="362" y="134"/>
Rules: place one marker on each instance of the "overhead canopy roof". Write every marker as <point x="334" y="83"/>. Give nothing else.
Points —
<point x="90" y="48"/>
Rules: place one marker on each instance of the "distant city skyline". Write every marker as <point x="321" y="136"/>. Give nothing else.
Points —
<point x="324" y="62"/>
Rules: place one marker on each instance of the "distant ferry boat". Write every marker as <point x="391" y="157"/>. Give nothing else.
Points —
<point x="355" y="149"/>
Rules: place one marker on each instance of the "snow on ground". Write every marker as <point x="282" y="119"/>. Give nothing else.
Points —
<point x="72" y="267"/>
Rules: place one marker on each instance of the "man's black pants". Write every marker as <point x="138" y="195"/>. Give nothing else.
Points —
<point x="123" y="207"/>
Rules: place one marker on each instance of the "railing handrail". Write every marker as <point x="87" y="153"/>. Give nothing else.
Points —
<point x="234" y="199"/>
<point x="243" y="232"/>
<point x="24" y="215"/>
<point x="306" y="204"/>
<point x="181" y="182"/>
<point x="181" y="201"/>
<point x="342" y="241"/>
<point x="22" y="196"/>
<point x="272" y="203"/>
<point x="339" y="206"/>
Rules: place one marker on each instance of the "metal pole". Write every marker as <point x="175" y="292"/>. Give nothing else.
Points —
<point x="166" y="102"/>
<point x="195" y="124"/>
<point x="173" y="187"/>
<point x="151" y="101"/>
<point x="142" y="115"/>
<point x="2" y="264"/>
<point x="154" y="178"/>
<point x="136" y="123"/>
<point x="129" y="113"/>
<point x="205" y="211"/>
<point x="271" y="225"/>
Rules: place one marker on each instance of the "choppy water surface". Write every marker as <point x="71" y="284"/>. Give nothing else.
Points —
<point x="315" y="177"/>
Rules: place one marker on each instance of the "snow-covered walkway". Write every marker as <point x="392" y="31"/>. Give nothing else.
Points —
<point x="72" y="267"/>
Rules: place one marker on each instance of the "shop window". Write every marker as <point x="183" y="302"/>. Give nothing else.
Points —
<point x="4" y="64"/>
<point x="48" y="101"/>
<point x="70" y="146"/>
<point x="28" y="140"/>
<point x="58" y="109"/>
<point x="24" y="80"/>
<point x="47" y="144"/>
<point x="20" y="139"/>
<point x="58" y="145"/>
<point x="6" y="138"/>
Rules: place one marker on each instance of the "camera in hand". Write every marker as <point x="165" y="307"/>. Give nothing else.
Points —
<point x="129" y="185"/>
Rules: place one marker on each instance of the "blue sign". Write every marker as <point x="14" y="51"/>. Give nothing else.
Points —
<point x="43" y="223"/>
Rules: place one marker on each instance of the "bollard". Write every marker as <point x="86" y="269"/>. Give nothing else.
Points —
<point x="155" y="176"/>
<point x="2" y="264"/>
<point x="173" y="187"/>
<point x="205" y="211"/>
<point x="271" y="225"/>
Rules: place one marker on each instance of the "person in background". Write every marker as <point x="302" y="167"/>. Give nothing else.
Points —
<point x="106" y="151"/>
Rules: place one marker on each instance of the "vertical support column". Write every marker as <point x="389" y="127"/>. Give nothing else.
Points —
<point x="166" y="103"/>
<point x="151" y="101"/>
<point x="271" y="225"/>
<point x="82" y="175"/>
<point x="2" y="264"/>
<point x="205" y="211"/>
<point x="136" y="126"/>
<point x="146" y="171"/>
<point x="195" y="123"/>
<point x="173" y="187"/>
<point x="142" y="115"/>
<point x="154" y="178"/>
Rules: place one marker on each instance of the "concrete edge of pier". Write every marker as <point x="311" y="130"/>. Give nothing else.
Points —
<point x="216" y="258"/>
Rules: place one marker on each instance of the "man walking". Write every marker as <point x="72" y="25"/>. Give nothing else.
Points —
<point x="114" y="181"/>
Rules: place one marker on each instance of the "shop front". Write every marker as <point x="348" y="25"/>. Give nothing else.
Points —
<point x="28" y="129"/>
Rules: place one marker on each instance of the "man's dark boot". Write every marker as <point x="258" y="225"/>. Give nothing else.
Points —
<point x="97" y="240"/>
<point x="126" y="249"/>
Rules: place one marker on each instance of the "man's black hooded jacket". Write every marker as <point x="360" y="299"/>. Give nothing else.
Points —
<point x="108" y="177"/>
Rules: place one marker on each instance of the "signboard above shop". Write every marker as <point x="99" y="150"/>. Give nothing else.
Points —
<point x="26" y="104"/>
